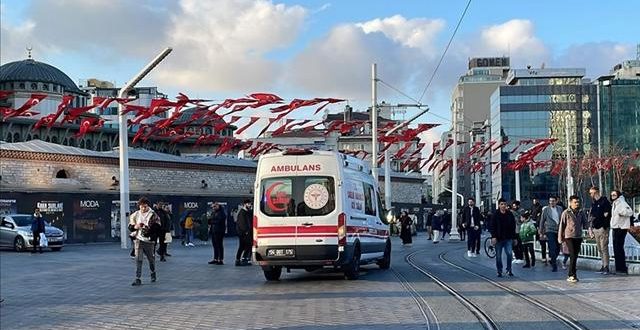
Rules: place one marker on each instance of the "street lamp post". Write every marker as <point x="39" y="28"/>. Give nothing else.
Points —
<point x="454" y="236"/>
<point x="374" y="122"/>
<point x="123" y="147"/>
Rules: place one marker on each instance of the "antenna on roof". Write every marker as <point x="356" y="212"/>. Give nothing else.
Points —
<point x="29" y="49"/>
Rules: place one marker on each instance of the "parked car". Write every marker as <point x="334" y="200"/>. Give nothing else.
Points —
<point x="15" y="232"/>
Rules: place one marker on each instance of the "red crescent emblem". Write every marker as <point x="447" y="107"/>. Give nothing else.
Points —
<point x="270" y="201"/>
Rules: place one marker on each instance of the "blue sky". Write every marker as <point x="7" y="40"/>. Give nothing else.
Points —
<point x="298" y="49"/>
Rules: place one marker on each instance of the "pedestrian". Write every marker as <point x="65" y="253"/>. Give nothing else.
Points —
<point x="621" y="214"/>
<point x="167" y="210"/>
<point x="565" y="254"/>
<point x="165" y="228"/>
<point x="188" y="227"/>
<point x="244" y="228"/>
<point x="461" y="228"/>
<point x="405" y="228"/>
<point x="471" y="222"/>
<point x="217" y="228"/>
<point x="436" y="226"/>
<point x="429" y="223"/>
<point x="144" y="226"/>
<point x="599" y="223"/>
<point x="527" y="237"/>
<point x="517" y="247"/>
<point x="536" y="214"/>
<point x="503" y="235"/>
<point x="446" y="224"/>
<point x="37" y="228"/>
<point x="572" y="222"/>
<point x="550" y="219"/>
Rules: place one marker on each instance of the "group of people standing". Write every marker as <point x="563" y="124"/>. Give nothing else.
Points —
<point x="150" y="227"/>
<point x="217" y="221"/>
<point x="561" y="229"/>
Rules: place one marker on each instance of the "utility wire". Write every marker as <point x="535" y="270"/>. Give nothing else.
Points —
<point x="445" y="50"/>
<point x="418" y="102"/>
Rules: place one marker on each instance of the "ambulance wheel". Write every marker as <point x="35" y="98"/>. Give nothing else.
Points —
<point x="385" y="263"/>
<point x="272" y="273"/>
<point x="352" y="269"/>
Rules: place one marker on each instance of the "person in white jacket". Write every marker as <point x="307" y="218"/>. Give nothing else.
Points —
<point x="621" y="214"/>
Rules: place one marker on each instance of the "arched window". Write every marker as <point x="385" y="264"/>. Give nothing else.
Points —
<point x="89" y="144"/>
<point x="82" y="144"/>
<point x="29" y="137"/>
<point x="62" y="174"/>
<point x="22" y="86"/>
<point x="45" y="87"/>
<point x="34" y="86"/>
<point x="98" y="147"/>
<point x="36" y="136"/>
<point x="9" y="137"/>
<point x="72" y="142"/>
<point x="105" y="146"/>
<point x="65" y="142"/>
<point x="16" y="137"/>
<point x="54" y="139"/>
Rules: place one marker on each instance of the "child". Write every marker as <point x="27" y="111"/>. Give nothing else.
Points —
<point x="565" y="253"/>
<point x="527" y="236"/>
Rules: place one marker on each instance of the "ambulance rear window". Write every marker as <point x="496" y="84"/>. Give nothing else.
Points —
<point x="297" y="196"/>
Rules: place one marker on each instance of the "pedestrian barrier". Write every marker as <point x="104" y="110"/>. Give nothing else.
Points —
<point x="590" y="251"/>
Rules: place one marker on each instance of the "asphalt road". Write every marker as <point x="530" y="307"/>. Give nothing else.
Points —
<point x="86" y="287"/>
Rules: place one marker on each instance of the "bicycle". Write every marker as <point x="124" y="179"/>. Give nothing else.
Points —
<point x="489" y="248"/>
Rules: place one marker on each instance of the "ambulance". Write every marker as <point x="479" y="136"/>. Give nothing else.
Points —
<point x="315" y="209"/>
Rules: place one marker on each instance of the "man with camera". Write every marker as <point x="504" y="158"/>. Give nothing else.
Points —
<point x="144" y="225"/>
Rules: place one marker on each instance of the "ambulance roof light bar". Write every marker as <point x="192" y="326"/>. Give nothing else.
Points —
<point x="297" y="152"/>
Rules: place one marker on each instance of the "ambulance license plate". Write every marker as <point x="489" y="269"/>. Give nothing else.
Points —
<point x="281" y="253"/>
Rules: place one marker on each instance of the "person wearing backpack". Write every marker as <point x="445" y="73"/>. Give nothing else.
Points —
<point x="527" y="236"/>
<point x="37" y="228"/>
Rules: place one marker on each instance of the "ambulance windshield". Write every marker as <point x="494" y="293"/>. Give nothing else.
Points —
<point x="297" y="196"/>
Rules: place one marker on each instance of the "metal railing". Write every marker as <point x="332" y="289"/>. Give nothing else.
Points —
<point x="590" y="251"/>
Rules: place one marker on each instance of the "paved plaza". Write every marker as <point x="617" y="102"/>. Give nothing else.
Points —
<point x="88" y="287"/>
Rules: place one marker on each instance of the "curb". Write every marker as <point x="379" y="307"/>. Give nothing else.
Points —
<point x="593" y="264"/>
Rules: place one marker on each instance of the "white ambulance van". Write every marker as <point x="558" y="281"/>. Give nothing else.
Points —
<point x="315" y="209"/>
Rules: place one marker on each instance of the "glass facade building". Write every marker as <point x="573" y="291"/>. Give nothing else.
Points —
<point x="535" y="104"/>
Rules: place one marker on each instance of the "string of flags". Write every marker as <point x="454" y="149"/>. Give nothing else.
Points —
<point x="220" y="116"/>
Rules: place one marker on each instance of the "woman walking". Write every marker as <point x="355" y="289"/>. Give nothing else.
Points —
<point x="405" y="230"/>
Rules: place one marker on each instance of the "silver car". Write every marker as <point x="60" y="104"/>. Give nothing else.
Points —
<point x="15" y="232"/>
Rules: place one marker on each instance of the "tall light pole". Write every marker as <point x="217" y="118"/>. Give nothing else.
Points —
<point x="123" y="146"/>
<point x="569" y="176"/>
<point x="518" y="181"/>
<point x="454" y="236"/>
<point x="374" y="122"/>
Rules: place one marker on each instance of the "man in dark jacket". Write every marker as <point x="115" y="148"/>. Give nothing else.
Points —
<point x="503" y="235"/>
<point x="599" y="224"/>
<point x="217" y="228"/>
<point x="165" y="227"/>
<point x="471" y="221"/>
<point x="37" y="228"/>
<point x="244" y="227"/>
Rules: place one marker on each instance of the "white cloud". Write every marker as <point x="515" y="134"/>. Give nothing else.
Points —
<point x="602" y="56"/>
<point x="339" y="63"/>
<point x="515" y="38"/>
<point x="223" y="45"/>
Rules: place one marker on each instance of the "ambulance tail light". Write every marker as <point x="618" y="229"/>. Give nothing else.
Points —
<point x="342" y="229"/>
<point x="255" y="231"/>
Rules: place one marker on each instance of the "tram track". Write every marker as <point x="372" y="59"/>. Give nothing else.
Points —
<point x="485" y="320"/>
<point x="566" y="320"/>
<point x="425" y="309"/>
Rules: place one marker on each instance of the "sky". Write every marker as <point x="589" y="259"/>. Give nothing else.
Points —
<point x="305" y="49"/>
